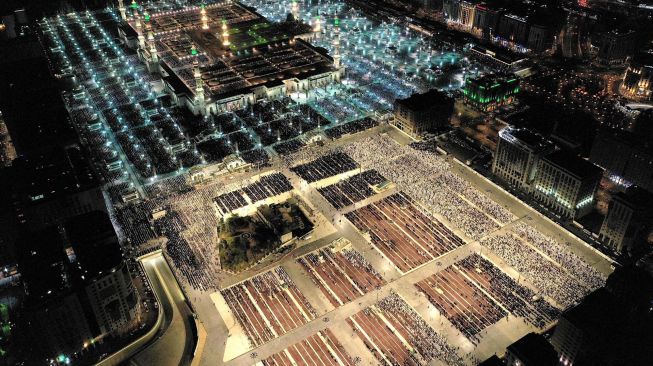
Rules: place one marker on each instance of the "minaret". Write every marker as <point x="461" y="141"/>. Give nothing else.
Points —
<point x="205" y="19"/>
<point x="225" y="34"/>
<point x="141" y="34"/>
<point x="317" y="26"/>
<point x="199" y="89"/>
<point x="294" y="9"/>
<point x="336" y="42"/>
<point x="153" y="52"/>
<point x="123" y="10"/>
<point x="134" y="6"/>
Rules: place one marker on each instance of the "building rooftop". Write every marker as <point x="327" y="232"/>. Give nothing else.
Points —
<point x="534" y="350"/>
<point x="573" y="164"/>
<point x="260" y="53"/>
<point x="423" y="101"/>
<point x="492" y="361"/>
<point x="498" y="55"/>
<point x="593" y="313"/>
<point x="94" y="243"/>
<point x="42" y="263"/>
<point x="53" y="173"/>
<point x="526" y="138"/>
<point x="492" y="80"/>
<point x="636" y="197"/>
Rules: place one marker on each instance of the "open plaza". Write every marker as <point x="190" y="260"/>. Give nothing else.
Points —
<point x="412" y="258"/>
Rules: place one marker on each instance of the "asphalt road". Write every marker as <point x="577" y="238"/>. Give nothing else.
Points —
<point x="173" y="345"/>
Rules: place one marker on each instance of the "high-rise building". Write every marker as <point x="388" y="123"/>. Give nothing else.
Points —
<point x="486" y="19"/>
<point x="633" y="165"/>
<point x="628" y="221"/>
<point x="539" y="37"/>
<point x="517" y="155"/>
<point x="615" y="47"/>
<point x="98" y="260"/>
<point x="79" y="288"/>
<point x="513" y="28"/>
<point x="56" y="315"/>
<point x="531" y="350"/>
<point x="494" y="360"/>
<point x="424" y="112"/>
<point x="489" y="92"/>
<point x="611" y="326"/>
<point x="451" y="9"/>
<point x="579" y="326"/>
<point x="567" y="184"/>
<point x="466" y="15"/>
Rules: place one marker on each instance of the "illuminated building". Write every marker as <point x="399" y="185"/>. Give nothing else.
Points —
<point x="122" y="9"/>
<point x="421" y="113"/>
<point x="7" y="149"/>
<point x="490" y="92"/>
<point x="497" y="59"/>
<point x="460" y="11"/>
<point x="628" y="221"/>
<point x="466" y="16"/>
<point x="7" y="27"/>
<point x="517" y="155"/>
<point x="451" y="9"/>
<point x="336" y="43"/>
<point x="637" y="83"/>
<point x="486" y="20"/>
<point x="238" y="65"/>
<point x="566" y="184"/>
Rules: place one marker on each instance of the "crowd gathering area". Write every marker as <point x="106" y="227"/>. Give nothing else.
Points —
<point x="409" y="262"/>
<point x="415" y="239"/>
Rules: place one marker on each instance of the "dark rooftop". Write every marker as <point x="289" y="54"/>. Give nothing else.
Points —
<point x="637" y="196"/>
<point x="94" y="243"/>
<point x="52" y="173"/>
<point x="492" y="361"/>
<point x="490" y="80"/>
<point x="42" y="263"/>
<point x="593" y="313"/>
<point x="534" y="350"/>
<point x="573" y="164"/>
<point x="526" y="137"/>
<point x="423" y="101"/>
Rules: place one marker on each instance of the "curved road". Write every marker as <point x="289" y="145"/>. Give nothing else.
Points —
<point x="173" y="345"/>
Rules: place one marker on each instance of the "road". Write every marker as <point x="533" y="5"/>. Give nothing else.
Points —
<point x="174" y="344"/>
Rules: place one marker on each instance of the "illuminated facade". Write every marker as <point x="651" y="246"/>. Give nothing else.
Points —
<point x="466" y="16"/>
<point x="222" y="57"/>
<point x="517" y="155"/>
<point x="490" y="92"/>
<point x="566" y="184"/>
<point x="637" y="83"/>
